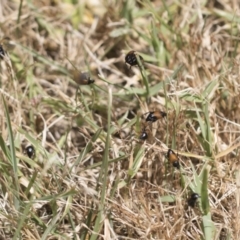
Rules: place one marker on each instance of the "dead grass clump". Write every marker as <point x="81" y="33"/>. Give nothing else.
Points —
<point x="100" y="170"/>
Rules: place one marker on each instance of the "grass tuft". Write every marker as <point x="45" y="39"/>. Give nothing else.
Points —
<point x="67" y="92"/>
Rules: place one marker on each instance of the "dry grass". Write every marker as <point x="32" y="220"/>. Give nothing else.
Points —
<point x="92" y="177"/>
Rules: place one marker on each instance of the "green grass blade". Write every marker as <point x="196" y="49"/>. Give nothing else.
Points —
<point x="21" y="219"/>
<point x="103" y="176"/>
<point x="137" y="162"/>
<point x="51" y="226"/>
<point x="204" y="192"/>
<point x="109" y="161"/>
<point x="152" y="90"/>
<point x="13" y="159"/>
<point x="87" y="222"/>
<point x="208" y="227"/>
<point x="5" y="149"/>
<point x="167" y="199"/>
<point x="144" y="77"/>
<point x="208" y="130"/>
<point x="88" y="148"/>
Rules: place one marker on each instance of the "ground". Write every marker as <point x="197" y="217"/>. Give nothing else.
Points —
<point x="85" y="136"/>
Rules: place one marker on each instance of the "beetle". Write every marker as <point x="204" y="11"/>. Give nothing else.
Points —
<point x="173" y="158"/>
<point x="155" y="115"/>
<point x="192" y="200"/>
<point x="131" y="58"/>
<point x="30" y="151"/>
<point x="82" y="78"/>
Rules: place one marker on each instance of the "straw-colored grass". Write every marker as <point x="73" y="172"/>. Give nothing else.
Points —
<point x="91" y="176"/>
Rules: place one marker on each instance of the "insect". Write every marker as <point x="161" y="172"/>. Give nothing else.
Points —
<point x="2" y="53"/>
<point x="144" y="135"/>
<point x="131" y="58"/>
<point x="192" y="200"/>
<point x="173" y="158"/>
<point x="30" y="151"/>
<point x="5" y="45"/>
<point x="155" y="115"/>
<point x="82" y="78"/>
